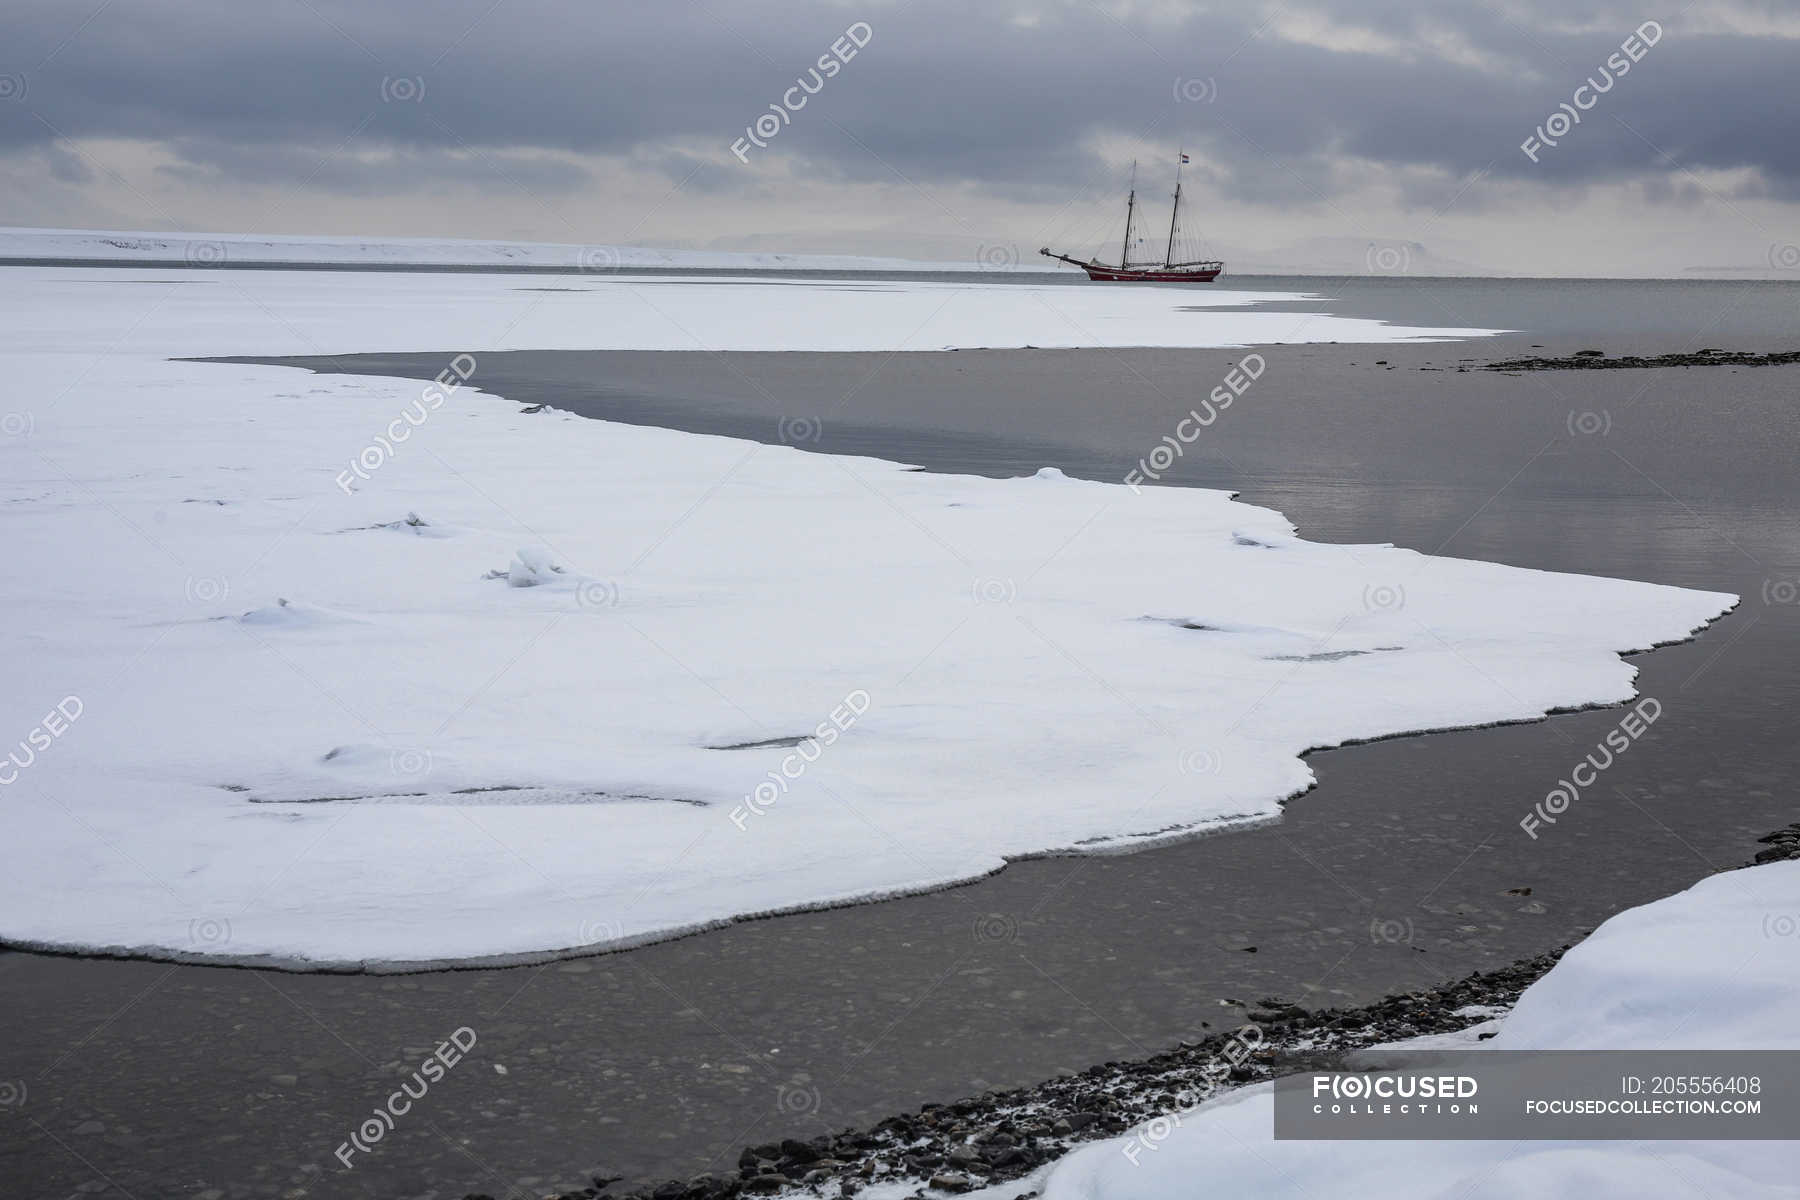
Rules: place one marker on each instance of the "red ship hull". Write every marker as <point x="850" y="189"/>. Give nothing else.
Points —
<point x="1190" y="272"/>
<point x="1204" y="274"/>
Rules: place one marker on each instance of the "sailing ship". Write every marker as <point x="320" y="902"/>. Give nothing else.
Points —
<point x="1166" y="271"/>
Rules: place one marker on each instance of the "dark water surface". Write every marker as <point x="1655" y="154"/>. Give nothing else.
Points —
<point x="1397" y="871"/>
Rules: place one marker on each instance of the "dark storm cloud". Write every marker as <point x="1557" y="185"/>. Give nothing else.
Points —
<point x="363" y="97"/>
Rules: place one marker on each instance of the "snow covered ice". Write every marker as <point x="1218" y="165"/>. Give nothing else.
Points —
<point x="199" y="313"/>
<point x="327" y="724"/>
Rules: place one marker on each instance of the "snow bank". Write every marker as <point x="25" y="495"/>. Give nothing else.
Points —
<point x="762" y="679"/>
<point x="174" y="312"/>
<point x="1699" y="970"/>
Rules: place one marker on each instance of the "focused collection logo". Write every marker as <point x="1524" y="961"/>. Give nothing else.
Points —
<point x="1401" y="1095"/>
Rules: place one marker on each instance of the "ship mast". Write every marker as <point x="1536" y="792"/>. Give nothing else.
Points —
<point x="1169" y="254"/>
<point x="1130" y="204"/>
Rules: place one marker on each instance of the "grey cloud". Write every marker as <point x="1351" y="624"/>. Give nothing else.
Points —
<point x="945" y="93"/>
<point x="403" y="168"/>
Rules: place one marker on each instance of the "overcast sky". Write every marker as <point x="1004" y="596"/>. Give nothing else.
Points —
<point x="959" y="129"/>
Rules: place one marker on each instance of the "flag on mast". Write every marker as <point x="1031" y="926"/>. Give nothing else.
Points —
<point x="1184" y="158"/>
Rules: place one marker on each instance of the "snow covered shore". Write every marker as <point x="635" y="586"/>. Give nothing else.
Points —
<point x="365" y="671"/>
<point x="1710" y="968"/>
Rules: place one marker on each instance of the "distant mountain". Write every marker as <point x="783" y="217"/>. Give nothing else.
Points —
<point x="1351" y="256"/>
<point x="227" y="249"/>
<point x="1771" y="272"/>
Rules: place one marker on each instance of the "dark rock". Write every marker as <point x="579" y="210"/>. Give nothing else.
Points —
<point x="1596" y="360"/>
<point x="951" y="1183"/>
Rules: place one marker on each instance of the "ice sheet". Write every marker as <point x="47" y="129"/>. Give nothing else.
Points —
<point x="179" y="312"/>
<point x="319" y="718"/>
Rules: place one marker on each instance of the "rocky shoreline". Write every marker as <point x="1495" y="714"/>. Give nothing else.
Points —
<point x="1006" y="1135"/>
<point x="1596" y="360"/>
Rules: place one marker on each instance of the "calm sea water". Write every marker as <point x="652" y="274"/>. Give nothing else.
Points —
<point x="1574" y="308"/>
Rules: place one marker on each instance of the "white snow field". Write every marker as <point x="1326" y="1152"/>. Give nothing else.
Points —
<point x="525" y="685"/>
<point x="1699" y="970"/>
<point x="188" y="312"/>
